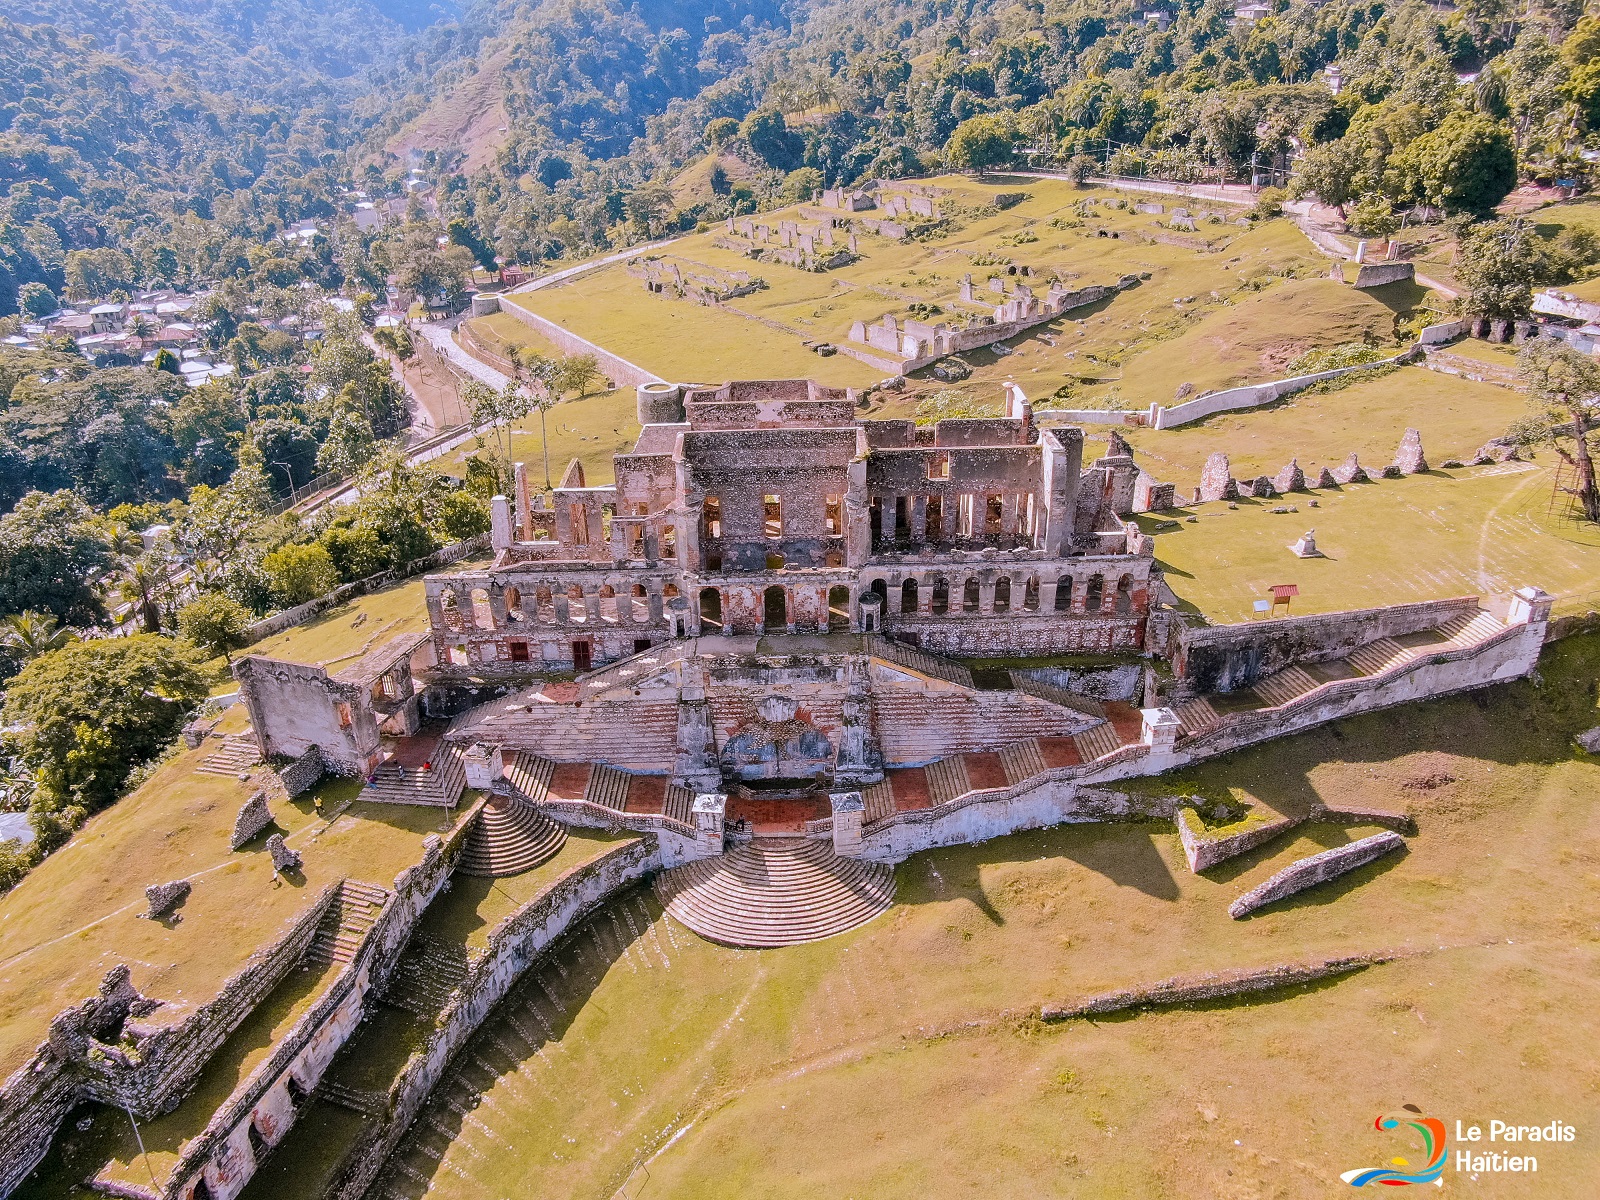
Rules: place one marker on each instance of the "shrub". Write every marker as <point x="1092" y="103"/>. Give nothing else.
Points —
<point x="300" y="573"/>
<point x="215" y="622"/>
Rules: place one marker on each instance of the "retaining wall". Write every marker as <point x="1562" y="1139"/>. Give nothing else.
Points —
<point x="621" y="372"/>
<point x="512" y="949"/>
<point x="1255" y="395"/>
<point x="222" y="1153"/>
<point x="1228" y="658"/>
<point x="1066" y="794"/>
<point x="38" y="1096"/>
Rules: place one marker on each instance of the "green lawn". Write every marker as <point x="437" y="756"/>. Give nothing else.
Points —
<point x="1181" y="325"/>
<point x="1480" y="530"/>
<point x="904" y="1060"/>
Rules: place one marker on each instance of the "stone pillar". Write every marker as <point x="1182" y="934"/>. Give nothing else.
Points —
<point x="709" y="810"/>
<point x="1529" y="606"/>
<point x="485" y="766"/>
<point x="524" y="512"/>
<point x="918" y="519"/>
<point x="500" y="532"/>
<point x="1160" y="731"/>
<point x="848" y="810"/>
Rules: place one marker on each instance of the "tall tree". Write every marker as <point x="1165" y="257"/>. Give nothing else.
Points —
<point x="1564" y="390"/>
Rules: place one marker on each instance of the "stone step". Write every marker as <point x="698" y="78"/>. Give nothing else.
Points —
<point x="1285" y="686"/>
<point x="775" y="892"/>
<point x="947" y="779"/>
<point x="510" y="836"/>
<point x="1471" y="628"/>
<point x="1097" y="741"/>
<point x="1379" y="656"/>
<point x="1022" y="760"/>
<point x="878" y="799"/>
<point x="608" y="787"/>
<point x="1198" y="716"/>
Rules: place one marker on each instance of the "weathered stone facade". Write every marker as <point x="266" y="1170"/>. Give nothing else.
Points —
<point x="768" y="507"/>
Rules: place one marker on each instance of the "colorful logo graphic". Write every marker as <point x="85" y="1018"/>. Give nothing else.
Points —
<point x="1401" y="1173"/>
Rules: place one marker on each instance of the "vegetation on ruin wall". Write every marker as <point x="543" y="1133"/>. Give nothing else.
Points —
<point x="912" y="1041"/>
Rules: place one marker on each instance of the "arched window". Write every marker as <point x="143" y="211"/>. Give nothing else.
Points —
<point x="838" y="608"/>
<point x="1094" y="593"/>
<point x="882" y="588"/>
<point x="1030" y="595"/>
<point x="775" y="609"/>
<point x="711" y="608"/>
<point x="513" y="599"/>
<point x="450" y="606"/>
<point x="969" y="596"/>
<point x="641" y="604"/>
<point x="1124" y="599"/>
<point x="1064" y="594"/>
<point x="1002" y="594"/>
<point x="608" y="604"/>
<point x="544" y="600"/>
<point x="908" y="596"/>
<point x="941" y="595"/>
<point x="481" y="613"/>
<point x="577" y="610"/>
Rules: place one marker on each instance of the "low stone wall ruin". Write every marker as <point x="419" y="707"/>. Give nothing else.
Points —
<point x="513" y="947"/>
<point x="1204" y="850"/>
<point x="1317" y="869"/>
<point x="1218" y="985"/>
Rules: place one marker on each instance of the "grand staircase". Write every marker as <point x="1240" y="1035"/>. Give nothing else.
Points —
<point x="345" y="923"/>
<point x="439" y="786"/>
<point x="775" y="892"/>
<point x="509" y="837"/>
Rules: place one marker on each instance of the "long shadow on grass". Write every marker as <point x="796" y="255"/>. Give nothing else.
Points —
<point x="538" y="1010"/>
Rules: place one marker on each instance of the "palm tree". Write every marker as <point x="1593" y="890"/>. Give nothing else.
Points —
<point x="142" y="581"/>
<point x="27" y="635"/>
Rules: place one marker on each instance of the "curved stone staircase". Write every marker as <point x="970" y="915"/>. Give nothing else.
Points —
<point x="775" y="892"/>
<point x="508" y="838"/>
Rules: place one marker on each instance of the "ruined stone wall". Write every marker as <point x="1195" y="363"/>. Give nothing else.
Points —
<point x="1228" y="658"/>
<point x="38" y="1096"/>
<point x="1373" y="275"/>
<point x="513" y="947"/>
<point x="222" y="1153"/>
<point x="1255" y="395"/>
<point x="1317" y="869"/>
<point x="1020" y="635"/>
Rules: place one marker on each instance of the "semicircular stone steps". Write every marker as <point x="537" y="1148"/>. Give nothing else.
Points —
<point x="510" y="837"/>
<point x="775" y="892"/>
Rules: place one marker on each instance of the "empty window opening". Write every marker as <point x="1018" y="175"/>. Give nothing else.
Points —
<point x="641" y="603"/>
<point x="608" y="604"/>
<point x="1002" y="594"/>
<point x="576" y="609"/>
<point x="714" y="561"/>
<point x="669" y="542"/>
<point x="833" y="515"/>
<point x="939" y="465"/>
<point x="993" y="511"/>
<point x="344" y="716"/>
<point x="838" y="608"/>
<point x="513" y="599"/>
<point x="772" y="516"/>
<point x="582" y="656"/>
<point x="1093" y="593"/>
<point x="833" y="559"/>
<point x="933" y="523"/>
<point x="1030" y="595"/>
<point x="908" y="596"/>
<point x="902" y="516"/>
<point x="519" y="651"/>
<point x="1124" y="598"/>
<point x="636" y="542"/>
<point x="711" y="608"/>
<point x="941" y="595"/>
<point x="875" y="518"/>
<point x="579" y="520"/>
<point x="965" y="507"/>
<point x="711" y="517"/>
<point x="969" y="597"/>
<point x="640" y="645"/>
<point x="481" y="612"/>
<point x="544" y="601"/>
<point x="881" y="589"/>
<point x="775" y="608"/>
<point x="774" y="562"/>
<point x="450" y="606"/>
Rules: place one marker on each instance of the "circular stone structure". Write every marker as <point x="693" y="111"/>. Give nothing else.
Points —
<point x="509" y="837"/>
<point x="775" y="892"/>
